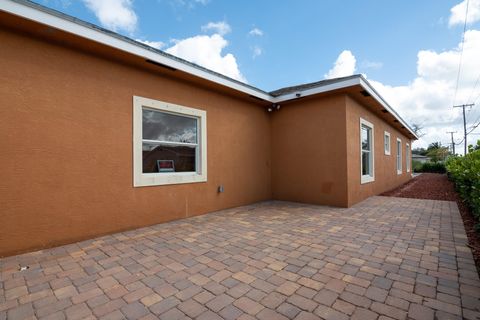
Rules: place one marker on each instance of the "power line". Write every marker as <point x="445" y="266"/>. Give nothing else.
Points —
<point x="461" y="54"/>
<point x="474" y="101"/>
<point x="473" y="90"/>
<point x="472" y="128"/>
<point x="475" y="126"/>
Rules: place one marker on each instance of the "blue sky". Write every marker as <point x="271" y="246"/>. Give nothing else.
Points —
<point x="408" y="49"/>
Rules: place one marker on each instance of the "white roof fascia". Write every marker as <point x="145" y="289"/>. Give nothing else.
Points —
<point x="317" y="90"/>
<point x="368" y="87"/>
<point x="31" y="13"/>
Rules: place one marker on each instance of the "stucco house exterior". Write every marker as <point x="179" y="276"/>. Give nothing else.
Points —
<point x="101" y="134"/>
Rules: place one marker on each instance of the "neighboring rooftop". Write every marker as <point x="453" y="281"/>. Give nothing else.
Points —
<point x="419" y="156"/>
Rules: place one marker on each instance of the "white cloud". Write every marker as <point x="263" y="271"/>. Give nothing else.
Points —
<point x="221" y="27"/>
<point x="428" y="99"/>
<point x="457" y="13"/>
<point x="153" y="44"/>
<point x="371" y="64"/>
<point x="203" y="2"/>
<point x="206" y="51"/>
<point x="114" y="14"/>
<point x="257" y="51"/>
<point x="256" y="32"/>
<point x="344" y="66"/>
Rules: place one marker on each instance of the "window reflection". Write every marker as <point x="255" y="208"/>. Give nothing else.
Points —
<point x="169" y="142"/>
<point x="164" y="126"/>
<point x="183" y="157"/>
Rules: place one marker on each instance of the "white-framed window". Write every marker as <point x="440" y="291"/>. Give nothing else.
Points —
<point x="386" y="142"/>
<point x="407" y="157"/>
<point x="169" y="143"/>
<point x="366" y="151"/>
<point x="399" y="156"/>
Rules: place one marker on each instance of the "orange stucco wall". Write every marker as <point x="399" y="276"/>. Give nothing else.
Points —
<point x="316" y="152"/>
<point x="386" y="177"/>
<point x="309" y="157"/>
<point x="66" y="160"/>
<point x="66" y="167"/>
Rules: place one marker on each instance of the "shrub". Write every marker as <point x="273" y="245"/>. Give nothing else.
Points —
<point x="416" y="166"/>
<point x="465" y="173"/>
<point x="433" y="167"/>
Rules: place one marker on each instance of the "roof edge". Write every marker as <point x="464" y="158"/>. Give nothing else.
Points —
<point x="58" y="20"/>
<point x="371" y="90"/>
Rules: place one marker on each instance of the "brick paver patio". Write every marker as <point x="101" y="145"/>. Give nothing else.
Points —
<point x="383" y="258"/>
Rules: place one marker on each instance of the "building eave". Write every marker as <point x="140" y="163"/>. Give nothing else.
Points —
<point x="55" y="19"/>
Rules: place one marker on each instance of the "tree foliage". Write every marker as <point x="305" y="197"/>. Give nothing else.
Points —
<point x="465" y="173"/>
<point x="437" y="152"/>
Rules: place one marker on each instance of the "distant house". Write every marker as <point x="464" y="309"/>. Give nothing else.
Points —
<point x="101" y="133"/>
<point x="420" y="158"/>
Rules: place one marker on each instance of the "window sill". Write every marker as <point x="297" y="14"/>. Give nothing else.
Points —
<point x="399" y="172"/>
<point x="161" y="179"/>
<point x="367" y="179"/>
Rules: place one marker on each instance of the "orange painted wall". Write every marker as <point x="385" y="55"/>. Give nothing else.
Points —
<point x="66" y="159"/>
<point x="386" y="177"/>
<point x="309" y="156"/>
<point x="66" y="125"/>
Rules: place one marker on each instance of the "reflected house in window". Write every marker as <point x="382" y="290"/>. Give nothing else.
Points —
<point x="182" y="158"/>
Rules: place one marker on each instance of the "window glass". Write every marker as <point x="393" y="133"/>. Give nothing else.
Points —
<point x="387" y="143"/>
<point x="407" y="157"/>
<point x="154" y="156"/>
<point x="169" y="142"/>
<point x="365" y="163"/>
<point x="399" y="156"/>
<point x="366" y="135"/>
<point x="164" y="126"/>
<point x="365" y="138"/>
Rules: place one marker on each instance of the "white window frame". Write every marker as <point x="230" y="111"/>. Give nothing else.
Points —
<point x="367" y="177"/>
<point x="141" y="179"/>
<point x="399" y="156"/>
<point x="386" y="137"/>
<point x="407" y="156"/>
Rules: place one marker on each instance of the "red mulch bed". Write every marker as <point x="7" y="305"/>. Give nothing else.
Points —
<point x="436" y="186"/>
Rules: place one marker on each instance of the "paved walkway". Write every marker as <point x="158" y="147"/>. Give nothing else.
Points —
<point x="385" y="257"/>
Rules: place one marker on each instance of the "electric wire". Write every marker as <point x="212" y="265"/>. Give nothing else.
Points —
<point x="473" y="90"/>
<point x="461" y="54"/>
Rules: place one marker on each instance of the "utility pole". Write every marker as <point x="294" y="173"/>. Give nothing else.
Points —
<point x="453" y="142"/>
<point x="464" y="124"/>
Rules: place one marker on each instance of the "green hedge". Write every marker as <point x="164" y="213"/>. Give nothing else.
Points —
<point x="465" y="173"/>
<point x="433" y="167"/>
